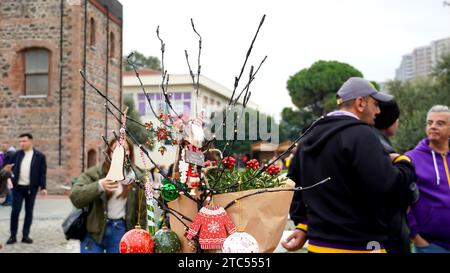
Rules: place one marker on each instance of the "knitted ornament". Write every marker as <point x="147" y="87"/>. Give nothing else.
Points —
<point x="240" y="242"/>
<point x="166" y="241"/>
<point x="211" y="224"/>
<point x="136" y="241"/>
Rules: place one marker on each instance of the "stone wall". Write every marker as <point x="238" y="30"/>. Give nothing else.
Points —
<point x="26" y="24"/>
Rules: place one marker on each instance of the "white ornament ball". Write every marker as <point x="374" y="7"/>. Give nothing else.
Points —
<point x="240" y="242"/>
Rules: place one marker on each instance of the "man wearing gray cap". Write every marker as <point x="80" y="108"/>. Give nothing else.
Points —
<point x="352" y="212"/>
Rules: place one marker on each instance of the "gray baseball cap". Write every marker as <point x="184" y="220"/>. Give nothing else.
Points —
<point x="359" y="87"/>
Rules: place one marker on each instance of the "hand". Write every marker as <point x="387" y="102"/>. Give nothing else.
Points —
<point x="295" y="241"/>
<point x="8" y="167"/>
<point x="393" y="156"/>
<point x="109" y="185"/>
<point x="44" y="192"/>
<point x="206" y="169"/>
<point x="420" y="242"/>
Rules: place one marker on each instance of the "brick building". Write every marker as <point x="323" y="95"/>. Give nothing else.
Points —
<point x="43" y="45"/>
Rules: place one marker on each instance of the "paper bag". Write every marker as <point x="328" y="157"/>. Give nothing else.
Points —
<point x="264" y="216"/>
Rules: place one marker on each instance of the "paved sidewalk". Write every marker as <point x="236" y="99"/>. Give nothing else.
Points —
<point x="46" y="230"/>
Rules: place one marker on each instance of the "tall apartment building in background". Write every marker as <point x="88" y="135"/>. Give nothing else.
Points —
<point x="43" y="45"/>
<point x="422" y="60"/>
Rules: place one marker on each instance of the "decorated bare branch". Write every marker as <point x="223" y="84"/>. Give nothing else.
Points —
<point x="276" y="190"/>
<point x="142" y="86"/>
<point x="295" y="144"/>
<point x="238" y="78"/>
<point x="232" y="101"/>
<point x="166" y="209"/>
<point x="107" y="99"/>
<point x="164" y="75"/>
<point x="199" y="67"/>
<point x="247" y="86"/>
<point x="133" y="139"/>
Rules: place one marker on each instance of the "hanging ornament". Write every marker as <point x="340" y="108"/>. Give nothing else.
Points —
<point x="151" y="225"/>
<point x="150" y="142"/>
<point x="166" y="241"/>
<point x="162" y="150"/>
<point x="161" y="134"/>
<point x="240" y="242"/>
<point x="149" y="126"/>
<point x="169" y="192"/>
<point x="183" y="166"/>
<point x="194" y="180"/>
<point x="211" y="224"/>
<point x="136" y="241"/>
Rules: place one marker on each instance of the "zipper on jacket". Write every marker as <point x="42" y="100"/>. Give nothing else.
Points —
<point x="444" y="159"/>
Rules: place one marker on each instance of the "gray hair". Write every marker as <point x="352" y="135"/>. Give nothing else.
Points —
<point x="438" y="109"/>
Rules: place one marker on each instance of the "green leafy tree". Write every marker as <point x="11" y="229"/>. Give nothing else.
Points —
<point x="313" y="92"/>
<point x="315" y="87"/>
<point x="415" y="98"/>
<point x="141" y="61"/>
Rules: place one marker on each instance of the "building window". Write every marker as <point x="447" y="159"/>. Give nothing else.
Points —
<point x="112" y="45"/>
<point x="181" y="102"/>
<point x="92" y="32"/>
<point x="92" y="158"/>
<point x="36" y="72"/>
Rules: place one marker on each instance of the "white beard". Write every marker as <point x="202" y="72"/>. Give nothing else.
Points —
<point x="194" y="134"/>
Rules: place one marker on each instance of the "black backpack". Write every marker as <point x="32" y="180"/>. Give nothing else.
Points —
<point x="74" y="226"/>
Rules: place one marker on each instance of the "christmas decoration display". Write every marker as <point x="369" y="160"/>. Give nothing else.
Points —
<point x="166" y="241"/>
<point x="199" y="197"/>
<point x="240" y="242"/>
<point x="136" y="241"/>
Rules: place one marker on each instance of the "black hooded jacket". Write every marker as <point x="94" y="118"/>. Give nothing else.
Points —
<point x="353" y="207"/>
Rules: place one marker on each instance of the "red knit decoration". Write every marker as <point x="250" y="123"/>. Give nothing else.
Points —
<point x="211" y="223"/>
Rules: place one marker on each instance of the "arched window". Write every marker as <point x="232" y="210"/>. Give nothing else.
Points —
<point x="112" y="45"/>
<point x="36" y="71"/>
<point x="92" y="32"/>
<point x="92" y="158"/>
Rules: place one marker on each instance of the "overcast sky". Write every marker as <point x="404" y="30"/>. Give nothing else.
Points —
<point x="371" y="35"/>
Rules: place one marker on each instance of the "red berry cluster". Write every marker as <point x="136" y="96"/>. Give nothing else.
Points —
<point x="252" y="164"/>
<point x="273" y="170"/>
<point x="228" y="162"/>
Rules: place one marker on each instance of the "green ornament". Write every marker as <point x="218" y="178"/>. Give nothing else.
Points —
<point x="166" y="181"/>
<point x="169" y="192"/>
<point x="166" y="241"/>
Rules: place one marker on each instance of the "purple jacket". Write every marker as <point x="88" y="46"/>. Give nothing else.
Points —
<point x="430" y="216"/>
